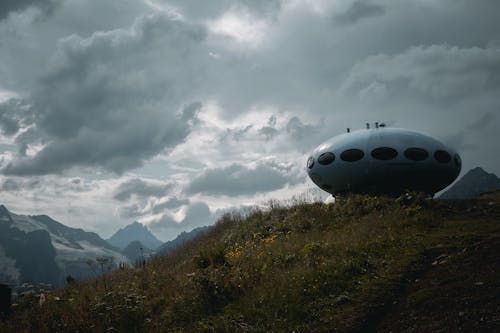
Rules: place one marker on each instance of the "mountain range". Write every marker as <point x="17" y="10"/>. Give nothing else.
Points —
<point x="137" y="249"/>
<point x="39" y="249"/>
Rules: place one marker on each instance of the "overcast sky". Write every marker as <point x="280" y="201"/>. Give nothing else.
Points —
<point x="171" y="112"/>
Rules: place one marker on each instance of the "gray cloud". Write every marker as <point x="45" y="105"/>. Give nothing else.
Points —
<point x="436" y="72"/>
<point x="130" y="212"/>
<point x="268" y="132"/>
<point x="211" y="9"/>
<point x="10" y="185"/>
<point x="141" y="189"/>
<point x="197" y="214"/>
<point x="12" y="112"/>
<point x="8" y="126"/>
<point x="297" y="129"/>
<point x="136" y="210"/>
<point x="238" y="179"/>
<point x="171" y="203"/>
<point x="8" y="6"/>
<point x="360" y="10"/>
<point x="104" y="103"/>
<point x="235" y="134"/>
<point x="462" y="140"/>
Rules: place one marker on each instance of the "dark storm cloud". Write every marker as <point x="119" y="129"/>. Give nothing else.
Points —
<point x="140" y="188"/>
<point x="12" y="112"/>
<point x="238" y="179"/>
<point x="8" y="126"/>
<point x="8" y="6"/>
<point x="360" y="10"/>
<point x="105" y="103"/>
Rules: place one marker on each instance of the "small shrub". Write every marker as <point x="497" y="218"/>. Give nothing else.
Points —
<point x="213" y="257"/>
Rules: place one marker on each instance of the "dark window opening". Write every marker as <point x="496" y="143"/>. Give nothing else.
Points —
<point x="326" y="158"/>
<point x="458" y="161"/>
<point x="442" y="156"/>
<point x="384" y="153"/>
<point x="352" y="155"/>
<point x="310" y="162"/>
<point x="316" y="178"/>
<point x="416" y="154"/>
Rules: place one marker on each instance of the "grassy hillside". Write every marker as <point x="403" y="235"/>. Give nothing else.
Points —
<point x="363" y="263"/>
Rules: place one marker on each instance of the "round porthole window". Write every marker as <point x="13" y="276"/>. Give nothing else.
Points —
<point x="442" y="156"/>
<point x="310" y="162"/>
<point x="352" y="155"/>
<point x="384" y="153"/>
<point x="416" y="154"/>
<point x="326" y="158"/>
<point x="316" y="178"/>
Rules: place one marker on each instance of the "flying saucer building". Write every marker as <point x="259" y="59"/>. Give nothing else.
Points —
<point x="383" y="160"/>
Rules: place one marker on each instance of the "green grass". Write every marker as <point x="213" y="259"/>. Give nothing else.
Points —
<point x="307" y="267"/>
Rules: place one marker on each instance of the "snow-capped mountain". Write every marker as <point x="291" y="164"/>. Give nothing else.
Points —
<point x="134" y="232"/>
<point x="40" y="249"/>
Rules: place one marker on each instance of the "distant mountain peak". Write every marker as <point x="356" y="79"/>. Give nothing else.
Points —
<point x="472" y="184"/>
<point x="135" y="231"/>
<point x="478" y="171"/>
<point x="3" y="209"/>
<point x="136" y="225"/>
<point x="5" y="214"/>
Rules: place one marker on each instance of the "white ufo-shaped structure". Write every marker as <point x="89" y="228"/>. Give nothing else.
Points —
<point x="383" y="160"/>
